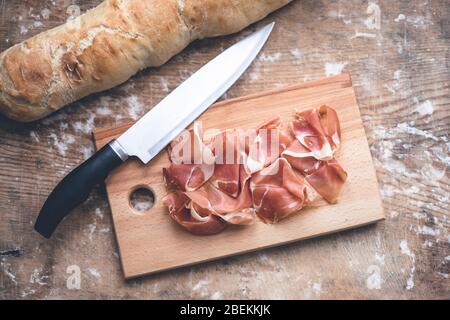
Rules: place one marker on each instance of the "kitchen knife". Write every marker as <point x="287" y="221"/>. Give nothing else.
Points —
<point x="155" y="130"/>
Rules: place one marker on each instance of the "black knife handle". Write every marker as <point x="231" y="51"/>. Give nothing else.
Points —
<point x="75" y="188"/>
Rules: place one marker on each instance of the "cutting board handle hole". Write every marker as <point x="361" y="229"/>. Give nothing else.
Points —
<point x="142" y="199"/>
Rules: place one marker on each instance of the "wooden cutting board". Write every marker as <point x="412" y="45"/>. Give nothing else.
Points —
<point x="150" y="242"/>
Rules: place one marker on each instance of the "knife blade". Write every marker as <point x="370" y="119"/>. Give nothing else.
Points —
<point x="155" y="130"/>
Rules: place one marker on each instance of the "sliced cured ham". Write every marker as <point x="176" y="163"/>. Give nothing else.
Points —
<point x="278" y="191"/>
<point x="207" y="197"/>
<point x="266" y="146"/>
<point x="326" y="177"/>
<point x="328" y="180"/>
<point x="318" y="130"/>
<point x="226" y="178"/>
<point x="264" y="172"/>
<point x="192" y="162"/>
<point x="181" y="211"/>
<point x="187" y="177"/>
<point x="189" y="148"/>
<point x="209" y="200"/>
<point x="318" y="137"/>
<point x="227" y="148"/>
<point x="301" y="158"/>
<point x="331" y="126"/>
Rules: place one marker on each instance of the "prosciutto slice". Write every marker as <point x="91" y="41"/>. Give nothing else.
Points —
<point x="227" y="148"/>
<point x="210" y="200"/>
<point x="207" y="210"/>
<point x="207" y="197"/>
<point x="192" y="161"/>
<point x="266" y="146"/>
<point x="278" y="191"/>
<point x="331" y="126"/>
<point x="318" y="137"/>
<point x="318" y="130"/>
<point x="181" y="211"/>
<point x="238" y="176"/>
<point x="326" y="177"/>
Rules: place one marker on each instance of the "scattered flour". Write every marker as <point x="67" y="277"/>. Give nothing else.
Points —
<point x="104" y="111"/>
<point x="411" y="190"/>
<point x="164" y="84"/>
<point x="37" y="278"/>
<point x="388" y="191"/>
<point x="401" y="17"/>
<point x="87" y="151"/>
<point x="427" y="231"/>
<point x="406" y="128"/>
<point x="99" y="213"/>
<point x="373" y="282"/>
<point x="380" y="259"/>
<point x="200" y="285"/>
<point x="27" y="292"/>
<point x="396" y="84"/>
<point x="335" y="14"/>
<point x="34" y="136"/>
<point x="427" y="244"/>
<point x="216" y="296"/>
<point x="270" y="57"/>
<point x="87" y="126"/>
<point x="395" y="166"/>
<point x="297" y="53"/>
<point x="419" y="215"/>
<point x="135" y="107"/>
<point x="390" y="89"/>
<point x="9" y="273"/>
<point x="254" y="75"/>
<point x="62" y="144"/>
<point x="394" y="215"/>
<point x="442" y="154"/>
<point x="363" y="35"/>
<point x="332" y="69"/>
<point x="406" y="251"/>
<point x="142" y="206"/>
<point x="94" y="272"/>
<point x="45" y="13"/>
<point x="317" y="288"/>
<point x="23" y="29"/>
<point x="425" y="109"/>
<point x="419" y="21"/>
<point x="202" y="288"/>
<point x="433" y="174"/>
<point x="91" y="229"/>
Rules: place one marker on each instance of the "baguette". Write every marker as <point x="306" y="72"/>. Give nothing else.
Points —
<point x="107" y="45"/>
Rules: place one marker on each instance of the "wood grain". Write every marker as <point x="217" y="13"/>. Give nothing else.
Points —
<point x="396" y="67"/>
<point x="137" y="232"/>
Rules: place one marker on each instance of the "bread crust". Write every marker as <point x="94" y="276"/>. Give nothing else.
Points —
<point x="109" y="44"/>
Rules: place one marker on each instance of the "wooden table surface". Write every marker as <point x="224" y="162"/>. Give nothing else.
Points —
<point x="399" y="55"/>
